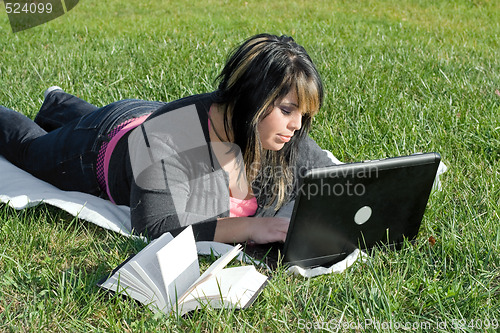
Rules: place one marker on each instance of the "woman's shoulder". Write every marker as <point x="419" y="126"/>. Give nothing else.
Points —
<point x="310" y="155"/>
<point x="182" y="123"/>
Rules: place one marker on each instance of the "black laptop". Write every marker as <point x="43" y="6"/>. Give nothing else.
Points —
<point x="356" y="205"/>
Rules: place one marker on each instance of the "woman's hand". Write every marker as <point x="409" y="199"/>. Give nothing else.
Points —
<point x="258" y="230"/>
<point x="268" y="230"/>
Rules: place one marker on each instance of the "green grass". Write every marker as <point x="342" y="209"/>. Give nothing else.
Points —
<point x="400" y="77"/>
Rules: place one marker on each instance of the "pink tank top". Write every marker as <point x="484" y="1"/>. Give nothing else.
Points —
<point x="240" y="207"/>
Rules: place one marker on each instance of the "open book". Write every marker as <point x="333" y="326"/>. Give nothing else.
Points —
<point x="165" y="275"/>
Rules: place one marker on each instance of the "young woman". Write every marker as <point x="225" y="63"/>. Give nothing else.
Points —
<point x="225" y="162"/>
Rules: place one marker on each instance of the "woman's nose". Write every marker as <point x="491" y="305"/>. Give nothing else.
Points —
<point x="296" y="121"/>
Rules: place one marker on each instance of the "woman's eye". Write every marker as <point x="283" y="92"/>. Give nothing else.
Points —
<point x="285" y="111"/>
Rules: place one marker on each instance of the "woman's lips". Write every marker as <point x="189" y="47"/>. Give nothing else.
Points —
<point x="284" y="138"/>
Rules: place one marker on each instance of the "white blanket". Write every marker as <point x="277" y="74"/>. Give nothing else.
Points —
<point x="20" y="190"/>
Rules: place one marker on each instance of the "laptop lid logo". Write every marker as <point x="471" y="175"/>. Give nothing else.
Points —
<point x="362" y="215"/>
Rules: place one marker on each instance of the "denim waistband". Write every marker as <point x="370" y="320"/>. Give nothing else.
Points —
<point x="107" y="146"/>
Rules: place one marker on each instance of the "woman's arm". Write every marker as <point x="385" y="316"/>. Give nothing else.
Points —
<point x="259" y="230"/>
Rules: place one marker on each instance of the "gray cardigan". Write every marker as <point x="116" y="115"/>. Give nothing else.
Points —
<point x="165" y="170"/>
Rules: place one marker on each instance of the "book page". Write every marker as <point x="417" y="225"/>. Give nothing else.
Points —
<point x="179" y="266"/>
<point x="140" y="275"/>
<point x="221" y="285"/>
<point x="219" y="264"/>
<point x="124" y="281"/>
<point x="153" y="280"/>
<point x="245" y="290"/>
<point x="231" y="287"/>
<point x="146" y="266"/>
<point x="154" y="246"/>
<point x="216" y="267"/>
<point x="127" y="277"/>
<point x="135" y="287"/>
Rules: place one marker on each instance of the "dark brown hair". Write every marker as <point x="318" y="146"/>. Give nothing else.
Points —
<point x="257" y="74"/>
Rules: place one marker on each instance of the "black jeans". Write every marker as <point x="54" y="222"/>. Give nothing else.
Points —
<point x="62" y="144"/>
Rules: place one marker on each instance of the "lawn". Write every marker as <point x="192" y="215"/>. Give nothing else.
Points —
<point x="400" y="77"/>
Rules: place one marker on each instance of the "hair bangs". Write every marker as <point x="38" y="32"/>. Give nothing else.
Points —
<point x="308" y="89"/>
<point x="309" y="94"/>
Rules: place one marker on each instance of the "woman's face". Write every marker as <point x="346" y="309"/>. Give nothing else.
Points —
<point x="278" y="127"/>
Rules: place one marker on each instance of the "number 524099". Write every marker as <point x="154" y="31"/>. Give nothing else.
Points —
<point x="28" y="8"/>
